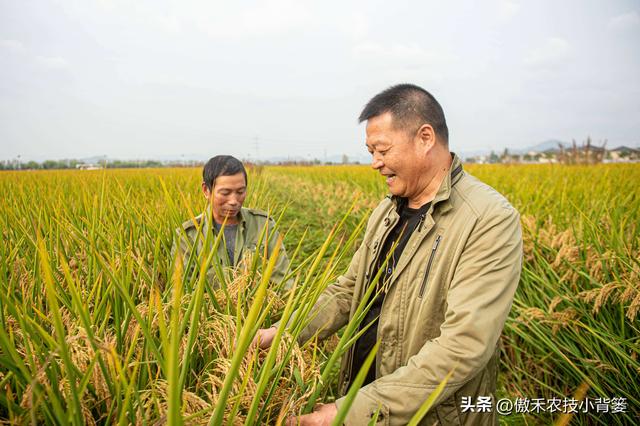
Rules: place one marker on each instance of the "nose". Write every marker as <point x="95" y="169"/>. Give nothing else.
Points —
<point x="234" y="200"/>
<point x="376" y="161"/>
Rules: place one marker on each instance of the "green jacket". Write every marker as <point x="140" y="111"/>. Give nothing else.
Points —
<point x="250" y="226"/>
<point x="446" y="305"/>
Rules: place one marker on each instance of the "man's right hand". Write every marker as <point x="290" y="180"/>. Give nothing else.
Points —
<point x="264" y="337"/>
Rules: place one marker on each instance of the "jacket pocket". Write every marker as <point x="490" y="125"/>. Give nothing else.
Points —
<point x="429" y="263"/>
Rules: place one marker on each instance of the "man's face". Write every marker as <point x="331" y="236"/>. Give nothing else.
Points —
<point x="226" y="197"/>
<point x="401" y="158"/>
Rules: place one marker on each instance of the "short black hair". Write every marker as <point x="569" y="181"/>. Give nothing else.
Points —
<point x="221" y="165"/>
<point x="411" y="106"/>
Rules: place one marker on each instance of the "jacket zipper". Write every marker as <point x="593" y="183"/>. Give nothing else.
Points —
<point x="426" y="274"/>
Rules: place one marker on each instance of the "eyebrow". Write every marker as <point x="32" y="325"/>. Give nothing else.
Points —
<point x="226" y="188"/>
<point x="375" y="144"/>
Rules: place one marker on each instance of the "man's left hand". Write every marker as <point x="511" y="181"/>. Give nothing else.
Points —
<point x="322" y="416"/>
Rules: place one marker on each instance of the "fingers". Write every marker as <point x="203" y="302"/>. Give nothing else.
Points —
<point x="305" y="420"/>
<point x="264" y="338"/>
<point x="291" y="421"/>
<point x="323" y="414"/>
<point x="256" y="340"/>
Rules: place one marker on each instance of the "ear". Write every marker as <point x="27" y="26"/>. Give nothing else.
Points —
<point x="426" y="136"/>
<point x="206" y="191"/>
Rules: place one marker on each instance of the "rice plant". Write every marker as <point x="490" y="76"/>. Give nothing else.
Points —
<point x="101" y="325"/>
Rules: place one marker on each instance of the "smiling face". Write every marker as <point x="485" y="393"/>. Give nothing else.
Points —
<point x="226" y="197"/>
<point x="402" y="158"/>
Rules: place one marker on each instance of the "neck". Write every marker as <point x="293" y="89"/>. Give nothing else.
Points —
<point x="230" y="220"/>
<point x="443" y="165"/>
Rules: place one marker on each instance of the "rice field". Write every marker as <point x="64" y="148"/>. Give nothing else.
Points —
<point x="101" y="325"/>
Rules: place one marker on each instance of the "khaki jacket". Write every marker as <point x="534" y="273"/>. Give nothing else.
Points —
<point x="446" y="305"/>
<point x="251" y="224"/>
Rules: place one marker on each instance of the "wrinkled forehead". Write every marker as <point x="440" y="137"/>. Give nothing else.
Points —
<point x="232" y="182"/>
<point x="382" y="131"/>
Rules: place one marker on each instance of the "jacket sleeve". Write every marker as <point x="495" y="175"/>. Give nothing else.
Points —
<point x="331" y="310"/>
<point x="183" y="246"/>
<point x="478" y="301"/>
<point x="282" y="265"/>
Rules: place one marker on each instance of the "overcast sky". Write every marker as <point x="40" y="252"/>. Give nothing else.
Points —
<point x="151" y="79"/>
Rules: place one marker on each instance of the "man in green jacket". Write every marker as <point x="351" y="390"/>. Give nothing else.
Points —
<point x="224" y="185"/>
<point x="454" y="253"/>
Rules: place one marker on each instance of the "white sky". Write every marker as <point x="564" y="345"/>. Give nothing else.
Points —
<point x="151" y="79"/>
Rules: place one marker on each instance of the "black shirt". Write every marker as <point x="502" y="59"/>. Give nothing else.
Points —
<point x="410" y="219"/>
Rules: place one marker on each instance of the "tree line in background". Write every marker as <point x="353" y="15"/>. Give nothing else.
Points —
<point x="119" y="164"/>
<point x="77" y="164"/>
<point x="585" y="154"/>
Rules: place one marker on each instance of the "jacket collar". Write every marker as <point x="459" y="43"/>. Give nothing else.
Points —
<point x="444" y="192"/>
<point x="441" y="201"/>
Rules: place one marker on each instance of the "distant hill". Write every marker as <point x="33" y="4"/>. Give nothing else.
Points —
<point x="541" y="147"/>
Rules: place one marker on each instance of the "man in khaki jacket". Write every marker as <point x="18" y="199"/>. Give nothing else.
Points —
<point x="454" y="250"/>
